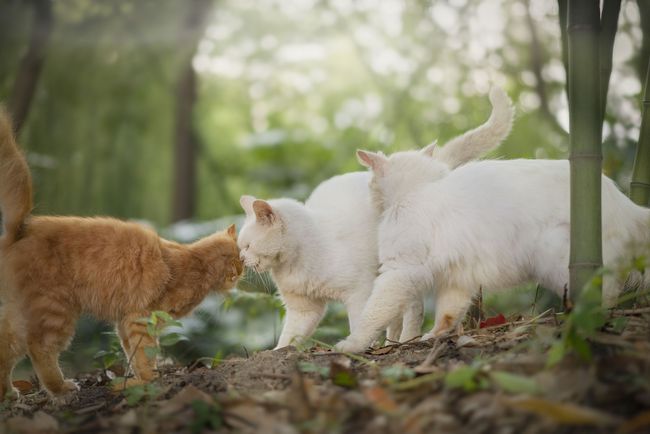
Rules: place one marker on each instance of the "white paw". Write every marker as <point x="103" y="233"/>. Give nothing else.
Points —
<point x="350" y="345"/>
<point x="427" y="336"/>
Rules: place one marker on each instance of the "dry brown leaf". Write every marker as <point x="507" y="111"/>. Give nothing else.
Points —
<point x="563" y="412"/>
<point x="183" y="399"/>
<point x="641" y="420"/>
<point x="380" y="399"/>
<point x="382" y="350"/>
<point x="23" y="386"/>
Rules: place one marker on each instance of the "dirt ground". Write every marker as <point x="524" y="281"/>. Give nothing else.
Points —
<point x="489" y="380"/>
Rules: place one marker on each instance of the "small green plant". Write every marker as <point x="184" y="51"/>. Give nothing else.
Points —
<point x="114" y="354"/>
<point x="136" y="394"/>
<point x="469" y="377"/>
<point x="157" y="324"/>
<point x="587" y="317"/>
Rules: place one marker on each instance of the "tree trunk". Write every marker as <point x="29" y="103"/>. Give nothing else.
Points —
<point x="31" y="63"/>
<point x="609" y="24"/>
<point x="185" y="146"/>
<point x="537" y="59"/>
<point x="644" y="11"/>
<point x="640" y="185"/>
<point x="585" y="143"/>
<point x="562" y="11"/>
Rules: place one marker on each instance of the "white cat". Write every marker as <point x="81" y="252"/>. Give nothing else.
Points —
<point x="326" y="249"/>
<point x="487" y="224"/>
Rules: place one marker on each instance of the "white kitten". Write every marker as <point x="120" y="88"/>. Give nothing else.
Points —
<point x="326" y="249"/>
<point x="488" y="224"/>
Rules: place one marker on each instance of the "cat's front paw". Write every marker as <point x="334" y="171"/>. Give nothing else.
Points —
<point x="66" y="394"/>
<point x="351" y="345"/>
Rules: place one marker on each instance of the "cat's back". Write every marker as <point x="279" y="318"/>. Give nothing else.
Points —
<point x="343" y="211"/>
<point x="340" y="194"/>
<point x="104" y="262"/>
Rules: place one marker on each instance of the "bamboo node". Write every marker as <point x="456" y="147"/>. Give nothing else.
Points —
<point x="586" y="265"/>
<point x="579" y="156"/>
<point x="640" y="184"/>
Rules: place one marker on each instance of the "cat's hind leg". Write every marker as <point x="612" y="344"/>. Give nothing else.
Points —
<point x="50" y="328"/>
<point x="413" y="317"/>
<point x="394" y="330"/>
<point x="12" y="348"/>
<point x="451" y="305"/>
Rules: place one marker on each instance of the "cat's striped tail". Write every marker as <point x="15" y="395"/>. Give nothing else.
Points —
<point x="482" y="139"/>
<point x="15" y="183"/>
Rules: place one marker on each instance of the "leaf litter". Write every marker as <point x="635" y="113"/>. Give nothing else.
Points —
<point x="494" y="379"/>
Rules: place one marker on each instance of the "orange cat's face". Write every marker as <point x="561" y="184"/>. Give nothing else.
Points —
<point x="222" y="253"/>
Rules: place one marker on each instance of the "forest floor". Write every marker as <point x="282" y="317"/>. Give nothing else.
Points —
<point x="489" y="380"/>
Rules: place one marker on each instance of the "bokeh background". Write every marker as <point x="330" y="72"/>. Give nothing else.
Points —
<point x="166" y="111"/>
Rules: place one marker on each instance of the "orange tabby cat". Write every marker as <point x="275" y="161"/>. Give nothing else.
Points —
<point x="53" y="269"/>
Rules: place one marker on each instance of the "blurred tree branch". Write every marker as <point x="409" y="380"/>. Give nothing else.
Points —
<point x="31" y="64"/>
<point x="608" y="26"/>
<point x="537" y="60"/>
<point x="185" y="147"/>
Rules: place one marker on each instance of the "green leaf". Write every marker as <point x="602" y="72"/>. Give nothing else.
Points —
<point x="556" y="353"/>
<point x="464" y="378"/>
<point x="151" y="352"/>
<point x="205" y="416"/>
<point x="345" y="379"/>
<point x="309" y="367"/>
<point x="514" y="383"/>
<point x="217" y="359"/>
<point x="171" y="339"/>
<point x="397" y="373"/>
<point x="160" y="314"/>
<point x="134" y="394"/>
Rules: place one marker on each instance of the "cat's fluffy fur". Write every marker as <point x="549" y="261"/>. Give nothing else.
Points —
<point x="326" y="249"/>
<point x="488" y="224"/>
<point x="53" y="269"/>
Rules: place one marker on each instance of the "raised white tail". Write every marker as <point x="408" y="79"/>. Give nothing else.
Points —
<point x="482" y="139"/>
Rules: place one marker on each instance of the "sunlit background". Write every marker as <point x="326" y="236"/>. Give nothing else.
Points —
<point x="167" y="111"/>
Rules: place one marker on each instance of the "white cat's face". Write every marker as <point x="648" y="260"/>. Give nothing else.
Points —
<point x="261" y="238"/>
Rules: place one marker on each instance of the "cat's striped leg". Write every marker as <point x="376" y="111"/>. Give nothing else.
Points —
<point x="12" y="348"/>
<point x="50" y="329"/>
<point x="135" y="342"/>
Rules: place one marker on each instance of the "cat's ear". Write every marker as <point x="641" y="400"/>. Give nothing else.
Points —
<point x="232" y="231"/>
<point x="246" y="203"/>
<point x="372" y="160"/>
<point x="429" y="149"/>
<point x="263" y="212"/>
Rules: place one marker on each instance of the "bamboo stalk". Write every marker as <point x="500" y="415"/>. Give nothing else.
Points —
<point x="585" y="143"/>
<point x="608" y="26"/>
<point x="640" y="185"/>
